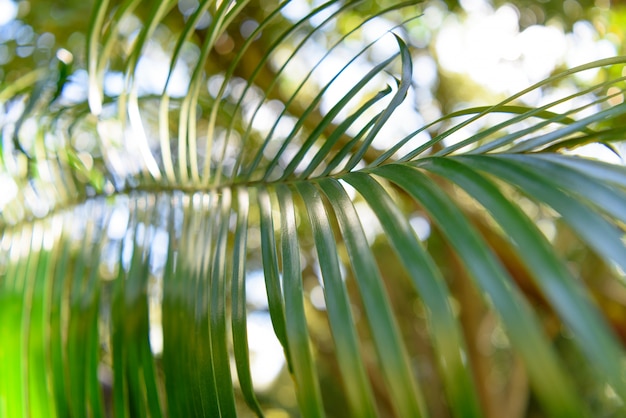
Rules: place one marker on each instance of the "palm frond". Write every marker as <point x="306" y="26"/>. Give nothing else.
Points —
<point x="125" y="265"/>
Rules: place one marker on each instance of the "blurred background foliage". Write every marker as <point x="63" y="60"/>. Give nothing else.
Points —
<point x="466" y="53"/>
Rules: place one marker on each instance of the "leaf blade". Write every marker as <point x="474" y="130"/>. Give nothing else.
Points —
<point x="549" y="380"/>
<point x="358" y="389"/>
<point x="305" y="375"/>
<point x="569" y="299"/>
<point x="443" y="326"/>
<point x="391" y="353"/>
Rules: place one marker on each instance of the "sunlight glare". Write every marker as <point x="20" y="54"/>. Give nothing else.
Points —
<point x="317" y="298"/>
<point x="256" y="293"/>
<point x="421" y="226"/>
<point x="597" y="151"/>
<point x="156" y="338"/>
<point x="295" y="10"/>
<point x="153" y="69"/>
<point x="368" y="218"/>
<point x="616" y="96"/>
<point x="266" y="353"/>
<point x="9" y="190"/>
<point x="9" y="11"/>
<point x="583" y="47"/>
<point x="118" y="223"/>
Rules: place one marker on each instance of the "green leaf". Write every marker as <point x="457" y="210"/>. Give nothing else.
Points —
<point x="579" y="125"/>
<point x="605" y="172"/>
<point x="219" y="338"/>
<point x="398" y="98"/>
<point x="551" y="276"/>
<point x="239" y="319"/>
<point x="407" y="401"/>
<point x="270" y="268"/>
<point x="305" y="376"/>
<point x="333" y="139"/>
<point x="248" y="171"/>
<point x="551" y="386"/>
<point x="434" y="293"/>
<point x="602" y="235"/>
<point x="356" y="385"/>
<point x="304" y="148"/>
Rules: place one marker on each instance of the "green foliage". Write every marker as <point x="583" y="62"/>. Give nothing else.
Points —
<point x="134" y="221"/>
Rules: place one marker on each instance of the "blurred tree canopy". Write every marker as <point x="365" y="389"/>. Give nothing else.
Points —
<point x="32" y="32"/>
